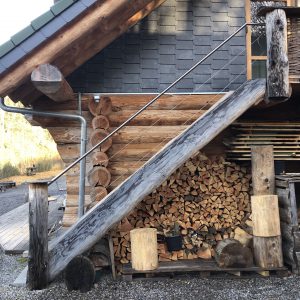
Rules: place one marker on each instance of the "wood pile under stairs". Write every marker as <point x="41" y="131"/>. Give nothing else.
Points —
<point x="116" y="205"/>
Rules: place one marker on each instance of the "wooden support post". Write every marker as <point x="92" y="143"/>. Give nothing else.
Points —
<point x="50" y="81"/>
<point x="38" y="236"/>
<point x="277" y="61"/>
<point x="267" y="249"/>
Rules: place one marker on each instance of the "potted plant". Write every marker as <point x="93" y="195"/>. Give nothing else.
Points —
<point x="174" y="239"/>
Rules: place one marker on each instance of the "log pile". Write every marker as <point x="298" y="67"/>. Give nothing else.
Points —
<point x="207" y="197"/>
<point x="99" y="176"/>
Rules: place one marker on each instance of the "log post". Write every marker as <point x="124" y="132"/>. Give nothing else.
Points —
<point x="50" y="81"/>
<point x="277" y="61"/>
<point x="144" y="249"/>
<point x="267" y="248"/>
<point x="38" y="236"/>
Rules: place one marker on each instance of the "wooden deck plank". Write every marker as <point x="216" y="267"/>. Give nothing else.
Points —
<point x="14" y="228"/>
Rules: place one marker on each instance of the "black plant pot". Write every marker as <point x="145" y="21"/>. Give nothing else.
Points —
<point x="174" y="243"/>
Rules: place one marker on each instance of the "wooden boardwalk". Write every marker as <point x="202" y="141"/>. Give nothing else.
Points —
<point x="14" y="228"/>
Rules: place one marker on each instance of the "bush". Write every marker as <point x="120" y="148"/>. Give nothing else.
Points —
<point x="8" y="170"/>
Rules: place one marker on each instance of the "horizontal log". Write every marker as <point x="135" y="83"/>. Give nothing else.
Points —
<point x="134" y="102"/>
<point x="124" y="167"/>
<point x="156" y="117"/>
<point x="130" y="134"/>
<point x="72" y="183"/>
<point x="133" y="152"/>
<point x="147" y="134"/>
<point x="72" y="200"/>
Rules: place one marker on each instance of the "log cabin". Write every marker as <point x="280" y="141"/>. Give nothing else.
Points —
<point x="104" y="61"/>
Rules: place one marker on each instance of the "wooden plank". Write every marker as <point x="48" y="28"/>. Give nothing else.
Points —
<point x="294" y="208"/>
<point x="277" y="62"/>
<point x="263" y="172"/>
<point x="38" y="236"/>
<point x="92" y="226"/>
<point x="50" y="81"/>
<point x="191" y="266"/>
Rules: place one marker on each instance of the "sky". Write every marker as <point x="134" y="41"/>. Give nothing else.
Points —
<point x="17" y="14"/>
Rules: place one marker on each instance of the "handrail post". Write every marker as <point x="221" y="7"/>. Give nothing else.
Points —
<point x="277" y="56"/>
<point x="38" y="267"/>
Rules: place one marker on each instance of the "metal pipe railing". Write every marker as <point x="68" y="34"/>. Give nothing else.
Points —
<point x="154" y="99"/>
<point x="83" y="139"/>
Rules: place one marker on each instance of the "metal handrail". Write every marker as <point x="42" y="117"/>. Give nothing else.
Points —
<point x="154" y="99"/>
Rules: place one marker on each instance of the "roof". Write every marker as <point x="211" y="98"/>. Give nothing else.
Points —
<point x="40" y="29"/>
<point x="67" y="35"/>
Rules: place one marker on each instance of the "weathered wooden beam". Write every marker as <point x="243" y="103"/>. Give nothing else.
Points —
<point x="277" y="56"/>
<point x="267" y="249"/>
<point x="106" y="15"/>
<point x="92" y="226"/>
<point x="38" y="236"/>
<point x="51" y="82"/>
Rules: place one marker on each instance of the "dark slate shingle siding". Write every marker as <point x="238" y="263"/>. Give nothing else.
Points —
<point x="163" y="46"/>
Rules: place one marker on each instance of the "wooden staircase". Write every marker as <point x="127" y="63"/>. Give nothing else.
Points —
<point x="92" y="226"/>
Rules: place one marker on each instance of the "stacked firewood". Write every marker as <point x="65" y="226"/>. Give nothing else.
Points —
<point x="207" y="197"/>
<point x="99" y="177"/>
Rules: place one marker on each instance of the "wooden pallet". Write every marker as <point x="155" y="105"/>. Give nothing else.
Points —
<point x="204" y="268"/>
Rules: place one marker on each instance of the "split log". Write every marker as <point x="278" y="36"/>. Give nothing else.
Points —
<point x="99" y="176"/>
<point x="98" y="193"/>
<point x="144" y="249"/>
<point x="97" y="136"/>
<point x="231" y="253"/>
<point x="99" y="158"/>
<point x="50" y="81"/>
<point x="80" y="274"/>
<point x="103" y="107"/>
<point x="100" y="122"/>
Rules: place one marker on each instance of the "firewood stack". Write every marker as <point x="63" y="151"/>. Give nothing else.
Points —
<point x="99" y="177"/>
<point x="208" y="198"/>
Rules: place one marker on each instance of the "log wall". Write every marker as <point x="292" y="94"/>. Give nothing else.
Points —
<point x="131" y="146"/>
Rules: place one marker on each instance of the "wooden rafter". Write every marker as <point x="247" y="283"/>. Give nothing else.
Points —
<point x="49" y="80"/>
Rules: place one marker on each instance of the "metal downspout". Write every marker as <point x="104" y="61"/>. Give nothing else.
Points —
<point x="83" y="139"/>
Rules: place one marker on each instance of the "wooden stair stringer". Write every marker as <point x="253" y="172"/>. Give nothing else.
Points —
<point x="119" y="203"/>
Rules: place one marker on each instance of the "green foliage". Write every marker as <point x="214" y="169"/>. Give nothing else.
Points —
<point x="8" y="170"/>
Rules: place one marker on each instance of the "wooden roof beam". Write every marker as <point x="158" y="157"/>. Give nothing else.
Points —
<point x="50" y="81"/>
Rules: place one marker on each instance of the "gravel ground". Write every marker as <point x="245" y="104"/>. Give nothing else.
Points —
<point x="187" y="287"/>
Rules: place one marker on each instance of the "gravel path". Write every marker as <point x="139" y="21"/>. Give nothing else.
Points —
<point x="187" y="287"/>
